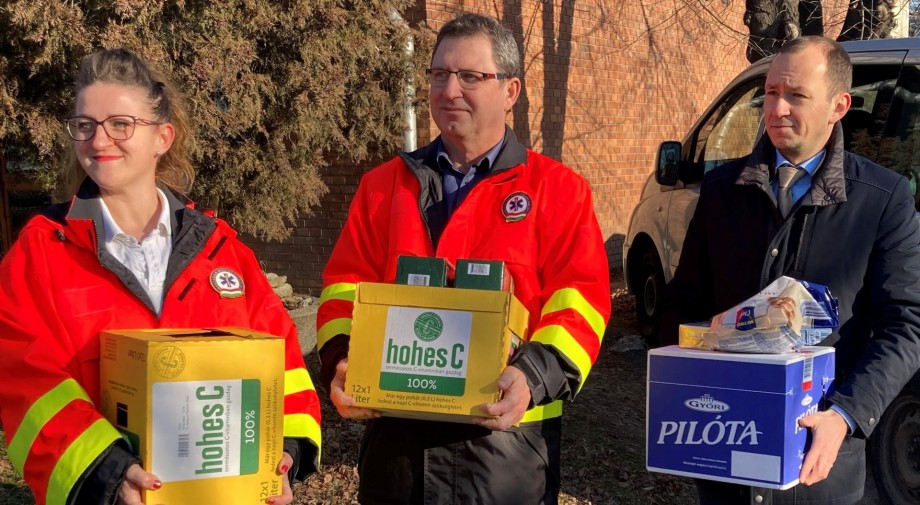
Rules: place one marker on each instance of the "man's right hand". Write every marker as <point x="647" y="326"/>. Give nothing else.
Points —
<point x="136" y="480"/>
<point x="344" y="403"/>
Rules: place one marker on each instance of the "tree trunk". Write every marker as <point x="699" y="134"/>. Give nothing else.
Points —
<point x="868" y="19"/>
<point x="773" y="22"/>
<point x="811" y="17"/>
<point x="770" y="23"/>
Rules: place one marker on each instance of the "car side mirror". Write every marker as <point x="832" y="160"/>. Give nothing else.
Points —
<point x="668" y="163"/>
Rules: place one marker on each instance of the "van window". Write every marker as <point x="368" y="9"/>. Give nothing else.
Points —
<point x="900" y="144"/>
<point x="731" y="130"/>
<point x="863" y="126"/>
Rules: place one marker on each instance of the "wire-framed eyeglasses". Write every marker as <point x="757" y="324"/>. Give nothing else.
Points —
<point x="82" y="128"/>
<point x="468" y="79"/>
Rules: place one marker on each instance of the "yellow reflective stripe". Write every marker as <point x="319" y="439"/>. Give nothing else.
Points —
<point x="541" y="412"/>
<point x="560" y="338"/>
<point x="571" y="298"/>
<point x="338" y="291"/>
<point x="297" y="380"/>
<point x="340" y="326"/>
<point x="38" y="414"/>
<point x="304" y="426"/>
<point x="77" y="458"/>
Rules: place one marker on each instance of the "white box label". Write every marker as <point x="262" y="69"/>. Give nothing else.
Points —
<point x="205" y="429"/>
<point x="426" y="351"/>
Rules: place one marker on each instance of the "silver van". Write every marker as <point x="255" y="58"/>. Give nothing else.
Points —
<point x="883" y="124"/>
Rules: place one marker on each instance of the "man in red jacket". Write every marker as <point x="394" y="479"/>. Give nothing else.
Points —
<point x="475" y="192"/>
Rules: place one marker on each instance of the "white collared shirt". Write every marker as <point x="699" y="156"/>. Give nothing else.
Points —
<point x="146" y="259"/>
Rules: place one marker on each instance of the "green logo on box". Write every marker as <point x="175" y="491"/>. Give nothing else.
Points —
<point x="428" y="326"/>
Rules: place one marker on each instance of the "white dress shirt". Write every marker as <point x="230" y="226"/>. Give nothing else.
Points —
<point x="146" y="259"/>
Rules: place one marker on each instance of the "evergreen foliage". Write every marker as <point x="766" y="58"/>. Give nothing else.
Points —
<point x="275" y="89"/>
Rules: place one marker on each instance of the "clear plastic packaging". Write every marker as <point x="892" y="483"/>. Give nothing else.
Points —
<point x="784" y="317"/>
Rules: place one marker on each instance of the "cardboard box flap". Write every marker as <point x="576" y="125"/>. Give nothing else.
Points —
<point x="518" y="318"/>
<point x="372" y="293"/>
<point x="204" y="334"/>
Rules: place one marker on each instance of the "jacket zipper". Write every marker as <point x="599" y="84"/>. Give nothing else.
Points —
<point x="797" y="266"/>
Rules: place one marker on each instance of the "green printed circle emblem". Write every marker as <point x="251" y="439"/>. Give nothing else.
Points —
<point x="428" y="326"/>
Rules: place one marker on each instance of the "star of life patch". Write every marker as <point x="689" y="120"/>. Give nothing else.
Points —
<point x="516" y="206"/>
<point x="227" y="283"/>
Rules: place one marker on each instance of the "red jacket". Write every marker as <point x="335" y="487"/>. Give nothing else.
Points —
<point x="531" y="212"/>
<point x="59" y="288"/>
<point x="534" y="214"/>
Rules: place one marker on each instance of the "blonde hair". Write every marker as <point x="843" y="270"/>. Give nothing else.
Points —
<point x="121" y="66"/>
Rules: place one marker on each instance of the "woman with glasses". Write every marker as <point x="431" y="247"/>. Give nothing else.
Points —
<point x="128" y="251"/>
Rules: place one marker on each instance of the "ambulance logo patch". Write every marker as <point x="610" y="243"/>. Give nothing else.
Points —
<point x="516" y="206"/>
<point x="227" y="283"/>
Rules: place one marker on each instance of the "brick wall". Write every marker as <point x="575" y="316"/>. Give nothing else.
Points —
<point x="302" y="256"/>
<point x="605" y="82"/>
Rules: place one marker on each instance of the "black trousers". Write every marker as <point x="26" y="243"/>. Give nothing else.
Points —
<point x="412" y="462"/>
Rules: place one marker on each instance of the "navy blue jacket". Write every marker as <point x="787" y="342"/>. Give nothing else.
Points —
<point x="855" y="231"/>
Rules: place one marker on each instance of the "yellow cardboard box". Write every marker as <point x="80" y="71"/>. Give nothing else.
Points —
<point x="430" y="353"/>
<point x="203" y="409"/>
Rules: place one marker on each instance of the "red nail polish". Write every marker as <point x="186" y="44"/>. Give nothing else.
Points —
<point x="284" y="469"/>
<point x="157" y="484"/>
<point x="270" y="501"/>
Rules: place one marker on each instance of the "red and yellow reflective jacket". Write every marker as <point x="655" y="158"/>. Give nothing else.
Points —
<point x="531" y="212"/>
<point x="59" y="288"/>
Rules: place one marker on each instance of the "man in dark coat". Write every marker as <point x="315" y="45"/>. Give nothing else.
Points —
<point x="844" y="222"/>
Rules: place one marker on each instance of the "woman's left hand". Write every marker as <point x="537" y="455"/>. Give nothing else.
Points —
<point x="286" y="496"/>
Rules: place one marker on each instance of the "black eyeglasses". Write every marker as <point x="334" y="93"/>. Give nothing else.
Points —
<point x="468" y="79"/>
<point x="82" y="128"/>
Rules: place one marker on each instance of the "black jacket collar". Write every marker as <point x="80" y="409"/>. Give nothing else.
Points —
<point x="85" y="204"/>
<point x="828" y="185"/>
<point x="82" y="220"/>
<point x="511" y="155"/>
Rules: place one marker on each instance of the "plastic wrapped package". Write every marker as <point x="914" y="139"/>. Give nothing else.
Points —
<point x="785" y="316"/>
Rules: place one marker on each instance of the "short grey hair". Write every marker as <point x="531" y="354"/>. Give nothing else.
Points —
<point x="504" y="48"/>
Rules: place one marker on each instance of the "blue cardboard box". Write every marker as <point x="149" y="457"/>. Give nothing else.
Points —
<point x="733" y="417"/>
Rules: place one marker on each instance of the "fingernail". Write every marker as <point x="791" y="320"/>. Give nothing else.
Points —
<point x="270" y="501"/>
<point x="284" y="468"/>
<point x="157" y="484"/>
